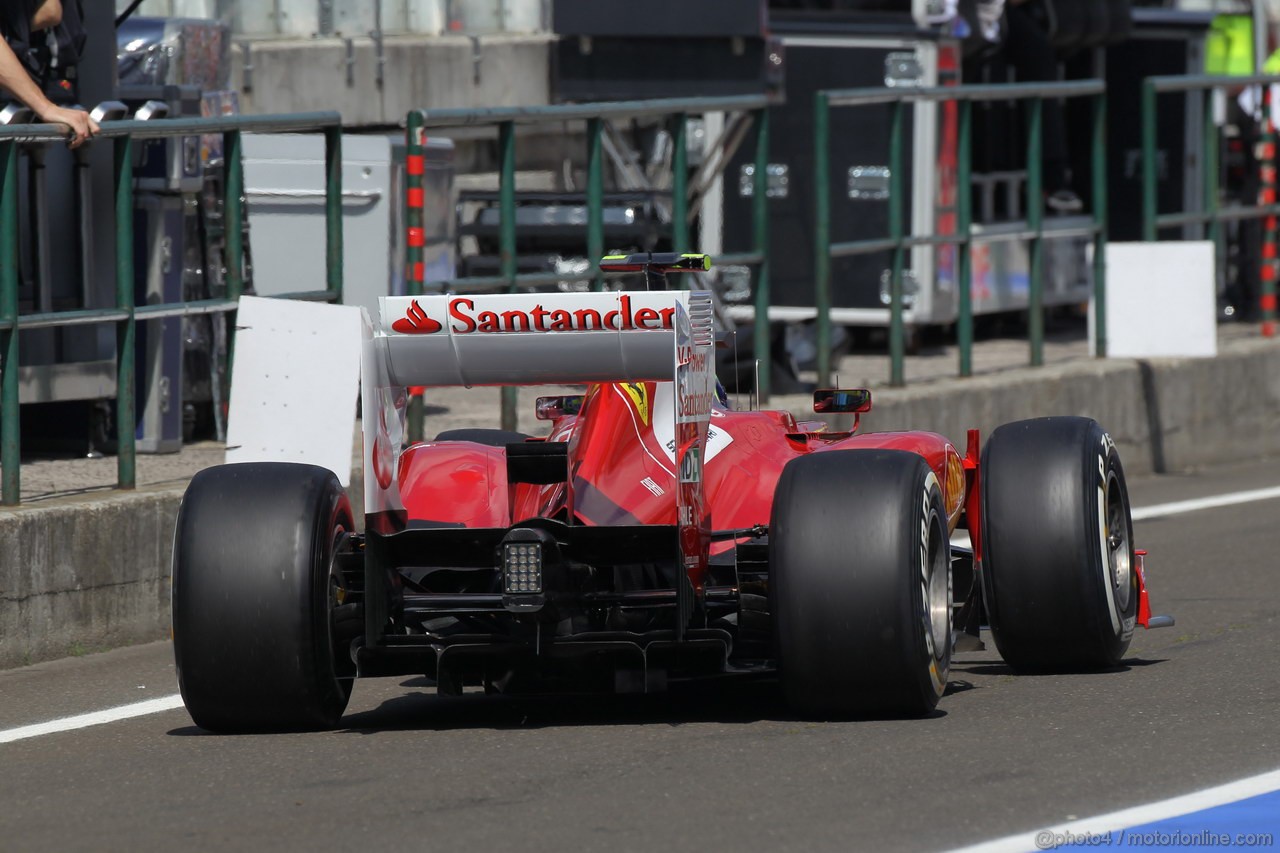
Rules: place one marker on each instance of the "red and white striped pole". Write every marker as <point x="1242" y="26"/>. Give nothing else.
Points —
<point x="415" y="241"/>
<point x="1270" y="266"/>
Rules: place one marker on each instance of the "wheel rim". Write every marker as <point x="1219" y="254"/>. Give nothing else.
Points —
<point x="337" y="595"/>
<point x="939" y="593"/>
<point x="1119" y="555"/>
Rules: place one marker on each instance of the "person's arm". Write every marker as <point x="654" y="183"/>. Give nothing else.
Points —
<point x="49" y="14"/>
<point x="14" y="78"/>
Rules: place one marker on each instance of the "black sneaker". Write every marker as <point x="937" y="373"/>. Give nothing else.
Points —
<point x="1064" y="201"/>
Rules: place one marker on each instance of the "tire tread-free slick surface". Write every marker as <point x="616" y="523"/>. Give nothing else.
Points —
<point x="846" y="587"/>
<point x="251" y="590"/>
<point x="1043" y="569"/>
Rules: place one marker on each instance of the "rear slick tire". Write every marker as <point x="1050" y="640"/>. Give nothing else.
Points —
<point x="860" y="584"/>
<point x="1058" y="577"/>
<point x="254" y="589"/>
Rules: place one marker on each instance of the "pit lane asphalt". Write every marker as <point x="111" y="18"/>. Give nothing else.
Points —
<point x="719" y="767"/>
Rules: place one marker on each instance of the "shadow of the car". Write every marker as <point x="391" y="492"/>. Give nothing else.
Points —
<point x="682" y="704"/>
<point x="998" y="669"/>
<point x="722" y="702"/>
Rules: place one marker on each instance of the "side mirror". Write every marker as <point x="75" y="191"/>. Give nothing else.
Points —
<point x="550" y="408"/>
<point x="829" y="401"/>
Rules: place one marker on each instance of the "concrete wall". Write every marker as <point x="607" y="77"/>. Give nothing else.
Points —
<point x="1206" y="411"/>
<point x="1110" y="392"/>
<point x="418" y="73"/>
<point x="83" y="573"/>
<point x="88" y="572"/>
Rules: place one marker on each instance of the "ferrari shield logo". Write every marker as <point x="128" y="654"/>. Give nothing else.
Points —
<point x="639" y="394"/>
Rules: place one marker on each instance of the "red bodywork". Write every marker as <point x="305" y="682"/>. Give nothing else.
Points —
<point x="621" y="474"/>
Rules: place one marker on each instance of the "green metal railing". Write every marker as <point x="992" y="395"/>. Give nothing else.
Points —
<point x="506" y="119"/>
<point x="1214" y="214"/>
<point x="898" y="241"/>
<point x="125" y="315"/>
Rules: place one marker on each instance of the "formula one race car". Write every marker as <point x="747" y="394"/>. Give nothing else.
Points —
<point x="655" y="534"/>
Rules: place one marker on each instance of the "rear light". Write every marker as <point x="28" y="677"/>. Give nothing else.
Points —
<point x="522" y="567"/>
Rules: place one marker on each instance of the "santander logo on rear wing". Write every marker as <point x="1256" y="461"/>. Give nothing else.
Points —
<point x="463" y="317"/>
<point x="530" y="339"/>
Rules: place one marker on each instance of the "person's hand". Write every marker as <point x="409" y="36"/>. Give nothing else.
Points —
<point x="82" y="127"/>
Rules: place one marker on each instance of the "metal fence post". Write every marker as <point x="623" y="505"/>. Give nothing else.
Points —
<point x="595" y="199"/>
<point x="415" y="274"/>
<point x="760" y="241"/>
<point x="964" y="229"/>
<point x="233" y="218"/>
<point x="821" y="231"/>
<point x="125" y="350"/>
<point x="1268" y="267"/>
<point x="333" y="211"/>
<point x="1035" y="216"/>
<point x="1099" y="168"/>
<point x="897" y="332"/>
<point x="679" y="183"/>
<point x="1148" y="160"/>
<point x="10" y="438"/>
<point x="507" y="244"/>
<point x="1209" y="179"/>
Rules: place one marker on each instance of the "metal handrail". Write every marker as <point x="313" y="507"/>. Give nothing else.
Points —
<point x="463" y="117"/>
<point x="125" y="314"/>
<point x="897" y="241"/>
<point x="164" y="127"/>
<point x="967" y="92"/>
<point x="676" y="110"/>
<point x="1210" y="165"/>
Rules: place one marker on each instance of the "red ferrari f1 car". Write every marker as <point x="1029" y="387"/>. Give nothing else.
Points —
<point x="654" y="534"/>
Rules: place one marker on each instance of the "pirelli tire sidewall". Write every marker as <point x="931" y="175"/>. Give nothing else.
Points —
<point x="1058" y="577"/>
<point x="855" y="538"/>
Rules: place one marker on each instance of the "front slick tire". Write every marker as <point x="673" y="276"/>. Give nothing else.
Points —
<point x="253" y="590"/>
<point x="1057" y="554"/>
<point x="860" y="582"/>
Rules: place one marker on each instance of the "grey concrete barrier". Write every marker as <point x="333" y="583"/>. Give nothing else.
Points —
<point x="1110" y="392"/>
<point x="84" y="574"/>
<point x="87" y="572"/>
<point x="1210" y="411"/>
<point x="444" y="71"/>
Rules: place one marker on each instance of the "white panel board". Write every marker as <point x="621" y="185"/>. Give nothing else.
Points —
<point x="1160" y="300"/>
<point x="284" y="183"/>
<point x="294" y="383"/>
<point x="426" y="16"/>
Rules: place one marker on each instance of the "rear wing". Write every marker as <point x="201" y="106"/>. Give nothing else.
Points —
<point x="528" y="338"/>
<point x="538" y="339"/>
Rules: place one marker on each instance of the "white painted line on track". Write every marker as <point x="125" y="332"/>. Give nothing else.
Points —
<point x="961" y="537"/>
<point x="1211" y="502"/>
<point x="1138" y="815"/>
<point x="94" y="718"/>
